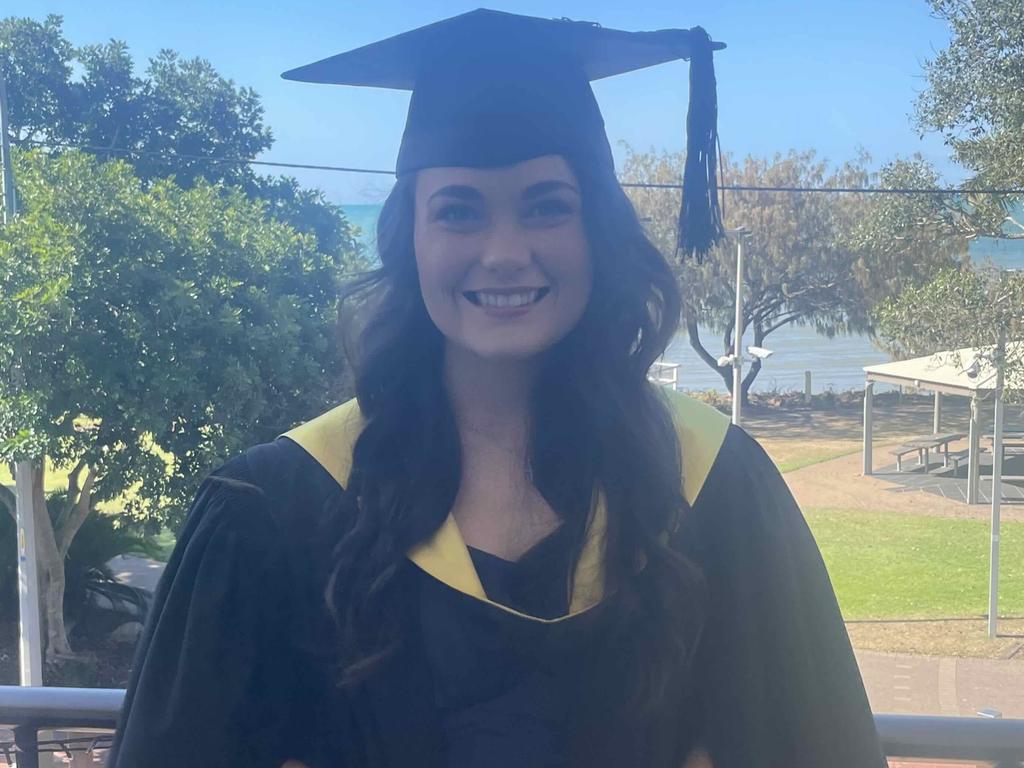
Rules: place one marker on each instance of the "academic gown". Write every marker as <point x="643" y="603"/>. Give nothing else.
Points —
<point x="232" y="670"/>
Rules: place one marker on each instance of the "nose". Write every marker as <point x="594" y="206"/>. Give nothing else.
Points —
<point x="507" y="250"/>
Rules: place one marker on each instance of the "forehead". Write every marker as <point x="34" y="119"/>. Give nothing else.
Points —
<point x="506" y="179"/>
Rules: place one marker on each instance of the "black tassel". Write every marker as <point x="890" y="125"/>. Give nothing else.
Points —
<point x="700" y="218"/>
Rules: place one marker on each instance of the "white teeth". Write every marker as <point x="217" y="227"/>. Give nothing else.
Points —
<point x="507" y="299"/>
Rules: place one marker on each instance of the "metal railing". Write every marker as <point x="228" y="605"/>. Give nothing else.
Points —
<point x="27" y="711"/>
<point x="911" y="737"/>
<point x="996" y="741"/>
<point x="666" y="374"/>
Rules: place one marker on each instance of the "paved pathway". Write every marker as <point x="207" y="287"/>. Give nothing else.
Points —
<point x="840" y="484"/>
<point x="137" y="571"/>
<point x="938" y="685"/>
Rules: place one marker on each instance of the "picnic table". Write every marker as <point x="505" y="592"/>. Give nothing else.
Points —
<point x="1009" y="436"/>
<point x="1013" y="441"/>
<point x="924" y="445"/>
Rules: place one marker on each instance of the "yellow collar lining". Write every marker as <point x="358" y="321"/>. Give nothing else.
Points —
<point x="330" y="438"/>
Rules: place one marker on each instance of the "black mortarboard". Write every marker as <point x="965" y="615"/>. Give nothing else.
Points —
<point x="492" y="88"/>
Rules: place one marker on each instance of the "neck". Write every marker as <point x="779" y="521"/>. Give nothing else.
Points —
<point x="490" y="397"/>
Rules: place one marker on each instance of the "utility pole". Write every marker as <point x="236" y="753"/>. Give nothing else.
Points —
<point x="735" y="358"/>
<point x="997" y="488"/>
<point x="737" y="344"/>
<point x="29" y="637"/>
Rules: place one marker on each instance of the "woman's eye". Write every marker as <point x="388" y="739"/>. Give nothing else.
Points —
<point x="456" y="214"/>
<point x="548" y="209"/>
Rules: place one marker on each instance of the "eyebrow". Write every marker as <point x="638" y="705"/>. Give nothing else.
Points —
<point x="466" y="192"/>
<point x="544" y="187"/>
<point x="459" y="191"/>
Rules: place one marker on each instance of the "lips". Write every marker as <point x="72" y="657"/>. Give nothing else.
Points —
<point x="506" y="298"/>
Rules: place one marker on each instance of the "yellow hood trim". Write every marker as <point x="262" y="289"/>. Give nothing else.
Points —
<point x="330" y="438"/>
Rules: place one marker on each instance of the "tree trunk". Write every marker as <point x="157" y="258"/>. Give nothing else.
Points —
<point x="51" y="572"/>
<point x="693" y="332"/>
<point x="755" y="367"/>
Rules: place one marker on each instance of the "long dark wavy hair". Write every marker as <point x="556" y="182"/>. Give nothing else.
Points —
<point x="597" y="423"/>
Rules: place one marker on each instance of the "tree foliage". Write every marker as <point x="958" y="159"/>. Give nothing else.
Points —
<point x="819" y="260"/>
<point x="91" y="96"/>
<point x="163" y="306"/>
<point x="154" y="324"/>
<point x="901" y="240"/>
<point x="975" y="99"/>
<point x="959" y="309"/>
<point x="179" y="119"/>
<point x="149" y="333"/>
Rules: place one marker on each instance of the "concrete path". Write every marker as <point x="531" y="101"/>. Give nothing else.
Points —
<point x="137" y="571"/>
<point x="839" y="484"/>
<point x="937" y="685"/>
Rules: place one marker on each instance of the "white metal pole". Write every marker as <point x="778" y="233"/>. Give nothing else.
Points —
<point x="974" y="452"/>
<point x="937" y="414"/>
<point x="869" y="425"/>
<point x="997" y="493"/>
<point x="30" y="663"/>
<point x="737" y="347"/>
<point x="29" y="636"/>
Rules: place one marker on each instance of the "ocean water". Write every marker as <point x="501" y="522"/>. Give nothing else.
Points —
<point x="835" y="363"/>
<point x="364" y="218"/>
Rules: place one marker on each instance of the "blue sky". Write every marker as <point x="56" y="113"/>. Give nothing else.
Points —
<point x="825" y="74"/>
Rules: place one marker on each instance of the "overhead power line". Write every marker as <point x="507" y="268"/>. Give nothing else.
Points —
<point x="206" y="158"/>
<point x="633" y="185"/>
<point x="846" y="190"/>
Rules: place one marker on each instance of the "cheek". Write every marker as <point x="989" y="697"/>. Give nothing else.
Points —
<point x="431" y="267"/>
<point x="573" y="270"/>
<point x="441" y="268"/>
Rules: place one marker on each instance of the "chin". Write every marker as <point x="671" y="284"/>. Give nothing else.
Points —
<point x="509" y="350"/>
<point x="508" y="354"/>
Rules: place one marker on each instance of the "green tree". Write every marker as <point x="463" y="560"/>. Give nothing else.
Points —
<point x="173" y="121"/>
<point x="975" y="99"/>
<point x="308" y="211"/>
<point x="959" y="309"/>
<point x="820" y="260"/>
<point x="901" y="241"/>
<point x="169" y="121"/>
<point x="36" y="62"/>
<point x="149" y="333"/>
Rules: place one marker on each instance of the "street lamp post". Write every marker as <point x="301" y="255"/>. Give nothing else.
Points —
<point x="735" y="359"/>
<point x="997" y="489"/>
<point x="737" y="344"/>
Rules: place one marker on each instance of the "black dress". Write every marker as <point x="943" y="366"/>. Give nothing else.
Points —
<point x="231" y="671"/>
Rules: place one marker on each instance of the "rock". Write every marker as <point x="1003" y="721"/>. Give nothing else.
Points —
<point x="127" y="633"/>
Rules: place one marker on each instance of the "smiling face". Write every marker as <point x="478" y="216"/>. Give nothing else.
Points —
<point x="503" y="261"/>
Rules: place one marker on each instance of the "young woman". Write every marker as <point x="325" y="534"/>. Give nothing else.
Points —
<point x="510" y="549"/>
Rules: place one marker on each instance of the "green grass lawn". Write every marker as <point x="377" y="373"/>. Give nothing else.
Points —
<point x="886" y="565"/>
<point x="790" y="454"/>
<point x="163" y="542"/>
<point x="53" y="479"/>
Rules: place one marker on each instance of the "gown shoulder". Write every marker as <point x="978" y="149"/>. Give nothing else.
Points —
<point x="777" y="675"/>
<point x="213" y="680"/>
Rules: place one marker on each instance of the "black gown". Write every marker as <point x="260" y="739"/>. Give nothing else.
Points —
<point x="231" y="669"/>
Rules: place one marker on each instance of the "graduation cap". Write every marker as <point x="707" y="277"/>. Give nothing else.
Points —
<point x="491" y="88"/>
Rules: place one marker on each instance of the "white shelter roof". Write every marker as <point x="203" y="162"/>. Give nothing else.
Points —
<point x="965" y="372"/>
